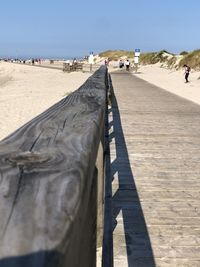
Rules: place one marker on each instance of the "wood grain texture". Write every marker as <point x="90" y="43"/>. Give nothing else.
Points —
<point x="48" y="182"/>
<point x="155" y="164"/>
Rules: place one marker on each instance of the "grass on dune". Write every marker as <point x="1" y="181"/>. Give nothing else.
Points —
<point x="168" y="59"/>
<point x="192" y="59"/>
<point x="117" y="54"/>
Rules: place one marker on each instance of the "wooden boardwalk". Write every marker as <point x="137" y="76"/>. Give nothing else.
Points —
<point x="155" y="165"/>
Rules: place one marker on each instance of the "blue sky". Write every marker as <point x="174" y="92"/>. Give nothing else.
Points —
<point x="68" y="28"/>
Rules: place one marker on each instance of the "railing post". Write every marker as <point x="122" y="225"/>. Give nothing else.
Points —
<point x="100" y="194"/>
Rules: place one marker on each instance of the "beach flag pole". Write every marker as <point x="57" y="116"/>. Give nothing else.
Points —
<point x="91" y="60"/>
<point x="136" y="58"/>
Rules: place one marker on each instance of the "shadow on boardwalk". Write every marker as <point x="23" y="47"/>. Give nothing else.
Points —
<point x="128" y="217"/>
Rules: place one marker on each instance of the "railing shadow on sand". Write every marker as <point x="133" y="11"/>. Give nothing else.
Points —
<point x="126" y="201"/>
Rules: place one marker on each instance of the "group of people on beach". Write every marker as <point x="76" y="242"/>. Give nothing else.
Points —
<point x="126" y="64"/>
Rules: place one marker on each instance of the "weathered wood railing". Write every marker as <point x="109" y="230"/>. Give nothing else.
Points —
<point x="51" y="171"/>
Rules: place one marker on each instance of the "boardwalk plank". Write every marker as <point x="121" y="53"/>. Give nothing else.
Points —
<point x="155" y="163"/>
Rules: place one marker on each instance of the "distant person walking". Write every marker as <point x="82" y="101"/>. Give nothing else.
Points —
<point x="121" y="64"/>
<point x="127" y="63"/>
<point x="187" y="72"/>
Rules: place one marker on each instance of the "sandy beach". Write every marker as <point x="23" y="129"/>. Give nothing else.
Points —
<point x="172" y="81"/>
<point x="26" y="91"/>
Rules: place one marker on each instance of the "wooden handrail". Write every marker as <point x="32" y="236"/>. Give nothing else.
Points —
<point x="49" y="182"/>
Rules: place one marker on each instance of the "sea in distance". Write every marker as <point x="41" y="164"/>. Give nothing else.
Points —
<point x="24" y="57"/>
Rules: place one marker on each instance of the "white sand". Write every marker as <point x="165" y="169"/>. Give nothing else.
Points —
<point x="26" y="91"/>
<point x="172" y="81"/>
